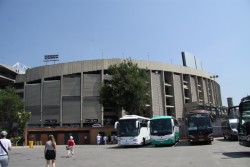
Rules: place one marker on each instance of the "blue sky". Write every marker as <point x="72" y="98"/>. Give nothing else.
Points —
<point x="217" y="32"/>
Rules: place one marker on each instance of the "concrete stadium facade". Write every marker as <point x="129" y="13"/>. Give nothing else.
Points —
<point x="64" y="98"/>
<point x="7" y="75"/>
<point x="67" y="94"/>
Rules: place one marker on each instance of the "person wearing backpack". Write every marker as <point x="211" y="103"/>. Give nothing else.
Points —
<point x="5" y="147"/>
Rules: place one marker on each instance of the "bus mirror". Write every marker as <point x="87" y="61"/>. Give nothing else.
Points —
<point x="137" y="124"/>
<point x="116" y="125"/>
<point x="148" y="124"/>
<point x="240" y="108"/>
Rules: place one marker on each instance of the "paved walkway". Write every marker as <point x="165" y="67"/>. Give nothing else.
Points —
<point x="85" y="155"/>
<point x="219" y="153"/>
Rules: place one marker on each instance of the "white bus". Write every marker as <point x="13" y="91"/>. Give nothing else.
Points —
<point x="132" y="130"/>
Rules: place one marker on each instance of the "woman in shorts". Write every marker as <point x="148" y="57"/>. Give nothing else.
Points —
<point x="50" y="151"/>
<point x="71" y="146"/>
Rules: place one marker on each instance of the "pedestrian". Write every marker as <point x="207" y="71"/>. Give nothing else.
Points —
<point x="112" y="139"/>
<point x="109" y="139"/>
<point x="4" y="149"/>
<point x="71" y="147"/>
<point x="105" y="138"/>
<point x="50" y="151"/>
<point x="98" y="139"/>
<point x="85" y="139"/>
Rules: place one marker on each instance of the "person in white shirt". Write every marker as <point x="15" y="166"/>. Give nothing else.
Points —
<point x="5" y="147"/>
<point x="105" y="138"/>
<point x="98" y="139"/>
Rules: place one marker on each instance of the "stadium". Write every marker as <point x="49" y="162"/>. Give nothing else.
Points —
<point x="64" y="98"/>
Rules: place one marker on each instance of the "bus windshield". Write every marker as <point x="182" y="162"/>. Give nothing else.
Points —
<point x="127" y="128"/>
<point x="198" y="121"/>
<point x="161" y="127"/>
<point x="246" y="112"/>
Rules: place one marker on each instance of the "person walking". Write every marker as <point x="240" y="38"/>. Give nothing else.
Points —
<point x="113" y="139"/>
<point x="85" y="139"/>
<point x="98" y="139"/>
<point x="50" y="151"/>
<point x="105" y="139"/>
<point x="5" y="147"/>
<point x="71" y="147"/>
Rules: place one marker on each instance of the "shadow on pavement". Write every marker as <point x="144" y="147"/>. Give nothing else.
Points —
<point x="131" y="147"/>
<point x="223" y="140"/>
<point x="182" y="143"/>
<point x="64" y="156"/>
<point x="237" y="154"/>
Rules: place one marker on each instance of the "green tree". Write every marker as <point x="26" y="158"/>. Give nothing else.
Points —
<point x="128" y="88"/>
<point x="22" y="119"/>
<point x="12" y="108"/>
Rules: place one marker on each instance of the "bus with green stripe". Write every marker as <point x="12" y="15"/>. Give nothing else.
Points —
<point x="164" y="130"/>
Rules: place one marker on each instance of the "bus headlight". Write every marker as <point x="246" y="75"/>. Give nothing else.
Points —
<point x="135" y="140"/>
<point x="171" y="138"/>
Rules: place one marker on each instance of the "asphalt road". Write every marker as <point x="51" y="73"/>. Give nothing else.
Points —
<point x="220" y="153"/>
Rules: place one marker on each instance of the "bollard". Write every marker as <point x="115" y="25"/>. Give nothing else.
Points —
<point x="31" y="144"/>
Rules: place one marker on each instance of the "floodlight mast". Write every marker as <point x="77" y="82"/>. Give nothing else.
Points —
<point x="53" y="58"/>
